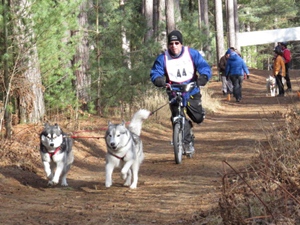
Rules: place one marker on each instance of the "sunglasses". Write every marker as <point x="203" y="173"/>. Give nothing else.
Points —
<point x="176" y="43"/>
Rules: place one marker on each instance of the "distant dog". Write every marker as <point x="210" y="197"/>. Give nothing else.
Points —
<point x="56" y="153"/>
<point x="272" y="87"/>
<point x="125" y="149"/>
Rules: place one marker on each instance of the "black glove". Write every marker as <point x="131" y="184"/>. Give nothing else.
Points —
<point x="202" y="80"/>
<point x="159" y="82"/>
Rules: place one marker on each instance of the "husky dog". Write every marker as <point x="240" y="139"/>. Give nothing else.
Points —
<point x="272" y="86"/>
<point x="125" y="149"/>
<point x="56" y="153"/>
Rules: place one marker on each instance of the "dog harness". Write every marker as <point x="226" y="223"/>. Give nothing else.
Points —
<point x="121" y="158"/>
<point x="53" y="153"/>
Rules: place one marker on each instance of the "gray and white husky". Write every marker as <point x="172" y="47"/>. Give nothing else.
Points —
<point x="271" y="85"/>
<point x="125" y="149"/>
<point x="56" y="153"/>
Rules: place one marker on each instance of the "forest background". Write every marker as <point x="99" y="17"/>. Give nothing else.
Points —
<point x="94" y="56"/>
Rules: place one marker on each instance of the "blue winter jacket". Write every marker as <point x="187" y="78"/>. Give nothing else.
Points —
<point x="235" y="65"/>
<point x="200" y="65"/>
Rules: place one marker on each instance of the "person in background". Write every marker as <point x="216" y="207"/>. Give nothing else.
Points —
<point x="233" y="49"/>
<point x="286" y="53"/>
<point x="279" y="70"/>
<point x="178" y="65"/>
<point x="235" y="70"/>
<point x="226" y="84"/>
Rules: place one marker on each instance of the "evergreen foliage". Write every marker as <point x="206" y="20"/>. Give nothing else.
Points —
<point x="267" y="15"/>
<point x="54" y="22"/>
<point x="119" y="81"/>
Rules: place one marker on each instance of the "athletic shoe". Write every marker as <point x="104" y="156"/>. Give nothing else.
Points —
<point x="289" y="90"/>
<point x="190" y="148"/>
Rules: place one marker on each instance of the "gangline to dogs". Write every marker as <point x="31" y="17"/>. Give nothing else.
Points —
<point x="101" y="129"/>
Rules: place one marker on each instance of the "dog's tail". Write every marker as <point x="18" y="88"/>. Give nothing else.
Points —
<point x="135" y="125"/>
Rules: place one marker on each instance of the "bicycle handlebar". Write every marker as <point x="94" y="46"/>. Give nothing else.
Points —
<point x="182" y="87"/>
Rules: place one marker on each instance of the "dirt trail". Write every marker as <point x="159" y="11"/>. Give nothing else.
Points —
<point x="167" y="193"/>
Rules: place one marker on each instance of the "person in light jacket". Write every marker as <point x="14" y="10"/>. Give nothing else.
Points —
<point x="279" y="70"/>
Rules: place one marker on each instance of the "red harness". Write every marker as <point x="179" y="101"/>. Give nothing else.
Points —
<point x="121" y="158"/>
<point x="53" y="153"/>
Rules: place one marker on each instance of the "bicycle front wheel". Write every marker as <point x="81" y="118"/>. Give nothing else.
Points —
<point x="178" y="142"/>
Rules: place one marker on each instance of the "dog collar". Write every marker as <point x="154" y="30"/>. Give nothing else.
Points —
<point x="121" y="158"/>
<point x="53" y="153"/>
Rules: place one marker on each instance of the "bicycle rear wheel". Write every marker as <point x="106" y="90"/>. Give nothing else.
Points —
<point x="178" y="142"/>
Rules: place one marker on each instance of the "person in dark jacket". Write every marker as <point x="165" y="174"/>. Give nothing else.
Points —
<point x="235" y="70"/>
<point x="286" y="53"/>
<point x="226" y="84"/>
<point x="178" y="65"/>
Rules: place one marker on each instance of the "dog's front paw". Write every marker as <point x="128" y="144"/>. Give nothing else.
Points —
<point x="50" y="176"/>
<point x="127" y="183"/>
<point x="51" y="183"/>
<point x="64" y="184"/>
<point x="123" y="176"/>
<point x="133" y="186"/>
<point x="108" y="184"/>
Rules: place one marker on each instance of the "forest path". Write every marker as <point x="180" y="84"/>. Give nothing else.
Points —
<point x="167" y="193"/>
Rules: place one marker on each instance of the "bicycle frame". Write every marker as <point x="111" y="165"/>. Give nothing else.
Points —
<point x="179" y="120"/>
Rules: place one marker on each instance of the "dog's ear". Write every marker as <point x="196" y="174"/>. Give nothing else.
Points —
<point x="58" y="127"/>
<point x="108" y="123"/>
<point x="46" y="125"/>
<point x="123" y="122"/>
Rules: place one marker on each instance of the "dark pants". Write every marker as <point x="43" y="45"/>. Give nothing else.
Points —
<point x="287" y="76"/>
<point x="237" y="81"/>
<point x="279" y="84"/>
<point x="194" y="110"/>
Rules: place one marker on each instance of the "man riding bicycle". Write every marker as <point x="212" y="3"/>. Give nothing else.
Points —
<point x="178" y="65"/>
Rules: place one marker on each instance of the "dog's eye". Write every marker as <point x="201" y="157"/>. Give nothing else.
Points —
<point x="53" y="137"/>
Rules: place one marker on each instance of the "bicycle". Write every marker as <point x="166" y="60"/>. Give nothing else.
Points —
<point x="179" y="120"/>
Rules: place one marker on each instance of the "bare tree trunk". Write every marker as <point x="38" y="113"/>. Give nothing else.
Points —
<point x="236" y="24"/>
<point x="125" y="41"/>
<point x="162" y="22"/>
<point x="98" y="101"/>
<point x="83" y="79"/>
<point x="170" y="17"/>
<point x="32" y="104"/>
<point x="4" y="110"/>
<point x="205" y="20"/>
<point x="219" y="31"/>
<point x="155" y="18"/>
<point x="199" y="14"/>
<point x="204" y="12"/>
<point x="230" y="22"/>
<point x="149" y="18"/>
<point x="31" y="99"/>
<point x="177" y="11"/>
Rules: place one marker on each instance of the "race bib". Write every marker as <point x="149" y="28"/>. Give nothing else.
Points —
<point x="179" y="69"/>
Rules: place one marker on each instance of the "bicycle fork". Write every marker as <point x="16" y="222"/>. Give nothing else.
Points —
<point x="181" y="121"/>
